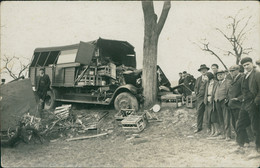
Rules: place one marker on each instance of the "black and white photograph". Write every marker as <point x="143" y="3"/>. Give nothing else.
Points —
<point x="130" y="83"/>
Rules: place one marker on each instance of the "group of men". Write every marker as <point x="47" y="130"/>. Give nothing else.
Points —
<point x="187" y="81"/>
<point x="230" y="97"/>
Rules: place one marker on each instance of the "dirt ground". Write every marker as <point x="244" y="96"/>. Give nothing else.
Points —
<point x="168" y="143"/>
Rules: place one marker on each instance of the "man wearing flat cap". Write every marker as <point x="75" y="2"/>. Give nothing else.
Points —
<point x="199" y="89"/>
<point x="250" y="108"/>
<point x="42" y="86"/>
<point x="220" y="99"/>
<point x="235" y="94"/>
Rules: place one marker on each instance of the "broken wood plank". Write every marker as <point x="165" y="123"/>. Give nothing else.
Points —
<point x="86" y="137"/>
<point x="106" y="113"/>
<point x="63" y="107"/>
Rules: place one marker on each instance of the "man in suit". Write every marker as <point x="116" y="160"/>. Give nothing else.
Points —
<point x="199" y="89"/>
<point x="42" y="86"/>
<point x="235" y="94"/>
<point x="249" y="114"/>
<point x="220" y="98"/>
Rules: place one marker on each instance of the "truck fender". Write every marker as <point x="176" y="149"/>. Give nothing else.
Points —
<point x="125" y="88"/>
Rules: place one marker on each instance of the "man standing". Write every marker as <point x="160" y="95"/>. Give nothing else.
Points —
<point x="235" y="94"/>
<point x="220" y="98"/>
<point x="250" y="108"/>
<point x="200" y="87"/>
<point x="214" y="68"/>
<point x="42" y="86"/>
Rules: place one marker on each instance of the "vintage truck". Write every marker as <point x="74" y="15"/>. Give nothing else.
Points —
<point x="97" y="72"/>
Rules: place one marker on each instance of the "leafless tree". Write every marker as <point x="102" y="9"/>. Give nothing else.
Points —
<point x="236" y="34"/>
<point x="152" y="30"/>
<point x="15" y="66"/>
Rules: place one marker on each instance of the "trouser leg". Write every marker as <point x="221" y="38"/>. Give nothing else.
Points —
<point x="220" y="114"/>
<point x="209" y="109"/>
<point x="254" y="115"/>
<point x="226" y="114"/>
<point x="234" y="117"/>
<point x="242" y="122"/>
<point x="200" y="113"/>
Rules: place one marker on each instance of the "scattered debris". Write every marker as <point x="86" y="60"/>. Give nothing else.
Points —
<point x="134" y="123"/>
<point x="139" y="141"/>
<point x="86" y="137"/>
<point x="62" y="112"/>
<point x="156" y="108"/>
<point x="123" y="113"/>
<point x="27" y="128"/>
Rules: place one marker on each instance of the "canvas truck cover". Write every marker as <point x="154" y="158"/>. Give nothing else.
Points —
<point x="120" y="52"/>
<point x="16" y="99"/>
<point x="77" y="53"/>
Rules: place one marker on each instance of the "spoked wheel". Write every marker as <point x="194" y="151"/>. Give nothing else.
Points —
<point x="126" y="100"/>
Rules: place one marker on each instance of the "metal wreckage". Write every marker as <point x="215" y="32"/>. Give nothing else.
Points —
<point x="96" y="72"/>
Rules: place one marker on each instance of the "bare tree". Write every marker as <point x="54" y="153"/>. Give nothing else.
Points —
<point x="15" y="66"/>
<point x="236" y="34"/>
<point x="209" y="50"/>
<point x="152" y="30"/>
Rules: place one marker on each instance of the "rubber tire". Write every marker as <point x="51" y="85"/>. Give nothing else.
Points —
<point x="126" y="100"/>
<point x="51" y="104"/>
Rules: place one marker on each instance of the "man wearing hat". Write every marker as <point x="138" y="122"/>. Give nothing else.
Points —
<point x="250" y="108"/>
<point x="235" y="94"/>
<point x="199" y="89"/>
<point x="220" y="98"/>
<point x="42" y="86"/>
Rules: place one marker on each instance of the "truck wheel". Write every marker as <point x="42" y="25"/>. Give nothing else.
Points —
<point x="50" y="102"/>
<point x="126" y="100"/>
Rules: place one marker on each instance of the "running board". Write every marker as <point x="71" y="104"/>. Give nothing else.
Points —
<point x="82" y="101"/>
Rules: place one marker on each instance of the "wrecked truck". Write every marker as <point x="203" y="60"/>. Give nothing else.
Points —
<point x="97" y="72"/>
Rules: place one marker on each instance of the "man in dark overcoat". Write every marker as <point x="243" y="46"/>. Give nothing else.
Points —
<point x="42" y="86"/>
<point x="199" y="89"/>
<point x="235" y="94"/>
<point x="249" y="114"/>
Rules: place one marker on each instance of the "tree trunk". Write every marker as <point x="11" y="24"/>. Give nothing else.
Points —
<point x="152" y="30"/>
<point x="149" y="70"/>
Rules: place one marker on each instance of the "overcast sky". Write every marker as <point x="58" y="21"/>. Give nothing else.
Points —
<point x="28" y="25"/>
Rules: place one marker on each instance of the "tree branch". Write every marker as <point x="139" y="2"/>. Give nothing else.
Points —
<point x="163" y="17"/>
<point x="244" y="27"/>
<point x="7" y="68"/>
<point x="207" y="49"/>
